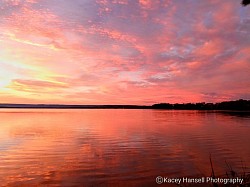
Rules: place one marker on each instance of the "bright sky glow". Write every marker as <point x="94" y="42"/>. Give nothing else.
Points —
<point x="123" y="51"/>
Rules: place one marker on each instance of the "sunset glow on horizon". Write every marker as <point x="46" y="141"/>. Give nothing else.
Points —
<point x="123" y="51"/>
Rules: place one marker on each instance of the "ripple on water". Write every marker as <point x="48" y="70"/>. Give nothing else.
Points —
<point x="119" y="147"/>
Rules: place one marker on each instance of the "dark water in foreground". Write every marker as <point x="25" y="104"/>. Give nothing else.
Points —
<point x="42" y="147"/>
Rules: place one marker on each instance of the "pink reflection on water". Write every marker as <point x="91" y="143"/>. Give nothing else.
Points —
<point x="116" y="147"/>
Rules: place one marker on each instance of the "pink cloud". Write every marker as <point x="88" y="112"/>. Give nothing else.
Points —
<point x="123" y="51"/>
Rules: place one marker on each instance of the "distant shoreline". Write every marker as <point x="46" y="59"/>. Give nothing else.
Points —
<point x="45" y="106"/>
<point x="238" y="105"/>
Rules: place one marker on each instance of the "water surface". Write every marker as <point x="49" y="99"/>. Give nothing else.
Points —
<point x="115" y="147"/>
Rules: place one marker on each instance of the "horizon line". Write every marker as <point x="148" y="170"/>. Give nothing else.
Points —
<point x="51" y="104"/>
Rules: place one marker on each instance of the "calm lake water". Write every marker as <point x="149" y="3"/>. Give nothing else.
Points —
<point x="40" y="147"/>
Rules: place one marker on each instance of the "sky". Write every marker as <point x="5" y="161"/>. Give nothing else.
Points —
<point x="124" y="51"/>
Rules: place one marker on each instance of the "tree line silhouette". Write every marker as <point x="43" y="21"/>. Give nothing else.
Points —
<point x="242" y="105"/>
<point x="226" y="105"/>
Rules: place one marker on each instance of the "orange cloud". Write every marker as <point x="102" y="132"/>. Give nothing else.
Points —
<point x="210" y="48"/>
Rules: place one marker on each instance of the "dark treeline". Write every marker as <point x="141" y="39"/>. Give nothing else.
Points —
<point x="226" y="105"/>
<point x="241" y="104"/>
